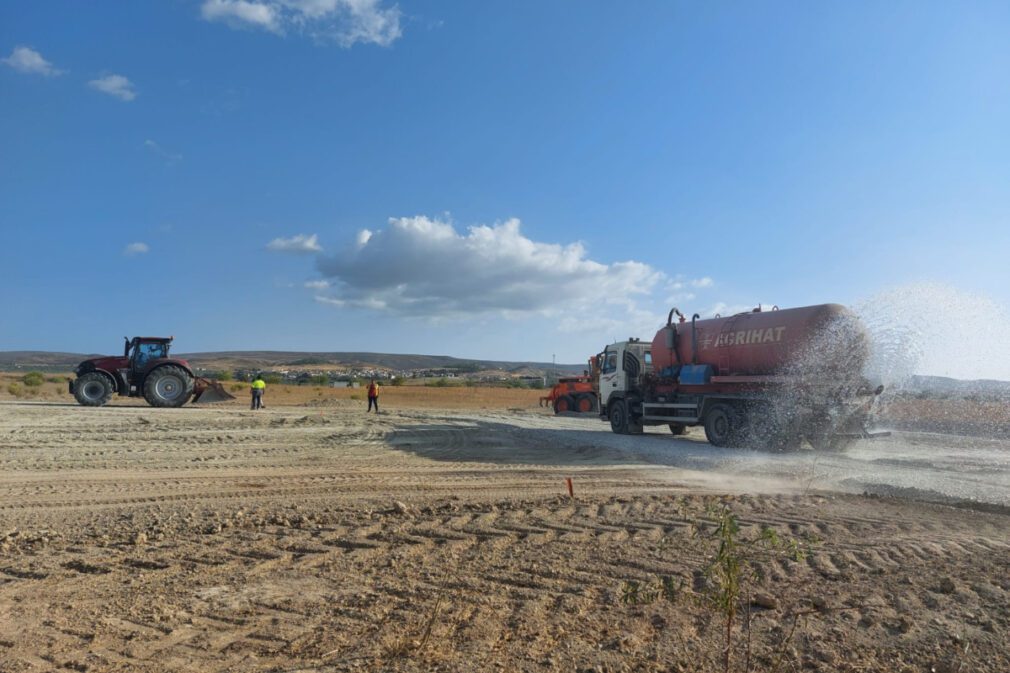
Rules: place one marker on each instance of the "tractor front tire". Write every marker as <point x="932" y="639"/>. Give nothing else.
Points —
<point x="586" y="403"/>
<point x="563" y="404"/>
<point x="93" y="389"/>
<point x="168" y="386"/>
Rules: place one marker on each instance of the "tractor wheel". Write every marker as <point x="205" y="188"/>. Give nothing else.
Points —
<point x="586" y="403"/>
<point x="93" y="389"/>
<point x="564" y="403"/>
<point x="722" y="425"/>
<point x="678" y="429"/>
<point x="168" y="386"/>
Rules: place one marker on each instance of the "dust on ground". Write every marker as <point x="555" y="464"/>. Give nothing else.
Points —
<point x="319" y="538"/>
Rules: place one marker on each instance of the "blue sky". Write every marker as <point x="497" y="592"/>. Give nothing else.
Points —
<point x="487" y="179"/>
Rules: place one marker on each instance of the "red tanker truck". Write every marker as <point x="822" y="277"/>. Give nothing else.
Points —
<point x="768" y="379"/>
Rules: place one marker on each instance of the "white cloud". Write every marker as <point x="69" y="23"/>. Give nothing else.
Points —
<point x="114" y="85"/>
<point x="317" y="284"/>
<point x="423" y="267"/>
<point x="169" y="157"/>
<point x="240" y="13"/>
<point x="346" y="22"/>
<point x="301" y="244"/>
<point x="136" y="249"/>
<point x="30" y="62"/>
<point x="723" y="309"/>
<point x="680" y="289"/>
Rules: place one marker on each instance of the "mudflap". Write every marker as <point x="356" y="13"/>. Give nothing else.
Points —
<point x="206" y="391"/>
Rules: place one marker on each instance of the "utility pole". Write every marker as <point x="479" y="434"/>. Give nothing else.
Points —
<point x="554" y="366"/>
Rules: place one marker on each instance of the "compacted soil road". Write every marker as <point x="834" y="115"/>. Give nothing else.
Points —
<point x="321" y="539"/>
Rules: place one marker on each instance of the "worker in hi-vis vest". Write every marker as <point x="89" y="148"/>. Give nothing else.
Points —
<point x="257" y="388"/>
<point x="373" y="396"/>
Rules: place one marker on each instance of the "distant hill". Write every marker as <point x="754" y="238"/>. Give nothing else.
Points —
<point x="294" y="359"/>
<point x="942" y="386"/>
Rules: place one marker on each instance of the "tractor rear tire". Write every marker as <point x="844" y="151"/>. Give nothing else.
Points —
<point x="93" y="389"/>
<point x="586" y="403"/>
<point x="168" y="386"/>
<point x="564" y="403"/>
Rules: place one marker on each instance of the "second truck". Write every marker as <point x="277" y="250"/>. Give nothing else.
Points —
<point x="764" y="379"/>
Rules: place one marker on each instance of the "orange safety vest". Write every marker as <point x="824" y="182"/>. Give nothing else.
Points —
<point x="373" y="390"/>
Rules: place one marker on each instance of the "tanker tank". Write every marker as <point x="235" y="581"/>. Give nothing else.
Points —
<point x="826" y="340"/>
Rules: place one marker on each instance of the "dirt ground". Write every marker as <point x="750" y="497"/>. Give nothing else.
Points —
<point x="319" y="538"/>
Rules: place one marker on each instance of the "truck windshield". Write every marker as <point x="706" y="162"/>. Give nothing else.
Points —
<point x="610" y="364"/>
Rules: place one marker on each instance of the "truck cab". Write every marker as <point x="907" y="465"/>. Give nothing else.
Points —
<point x="622" y="368"/>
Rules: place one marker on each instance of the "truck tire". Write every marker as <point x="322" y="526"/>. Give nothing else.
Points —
<point x="722" y="425"/>
<point x="617" y="411"/>
<point x="93" y="389"/>
<point x="678" y="429"/>
<point x="564" y="403"/>
<point x="168" y="386"/>
<point x="586" y="403"/>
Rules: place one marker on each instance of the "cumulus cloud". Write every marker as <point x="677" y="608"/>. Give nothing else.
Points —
<point x="242" y="13"/>
<point x="300" y="244"/>
<point x="138" y="248"/>
<point x="346" y="22"/>
<point x="418" y="266"/>
<point x="114" y="85"/>
<point x="30" y="62"/>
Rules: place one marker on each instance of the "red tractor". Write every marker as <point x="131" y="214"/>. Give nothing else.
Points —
<point x="576" y="393"/>
<point x="144" y="369"/>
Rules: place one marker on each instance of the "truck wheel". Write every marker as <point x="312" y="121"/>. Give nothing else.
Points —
<point x="564" y="403"/>
<point x="618" y="412"/>
<point x="721" y="425"/>
<point x="93" y="389"/>
<point x="678" y="429"/>
<point x="168" y="386"/>
<point x="586" y="403"/>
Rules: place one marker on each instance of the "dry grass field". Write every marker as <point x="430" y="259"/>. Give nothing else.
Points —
<point x="402" y="397"/>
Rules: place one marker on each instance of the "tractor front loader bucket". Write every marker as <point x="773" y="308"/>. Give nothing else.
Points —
<point x="207" y="391"/>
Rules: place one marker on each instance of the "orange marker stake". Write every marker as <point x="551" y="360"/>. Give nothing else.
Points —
<point x="571" y="491"/>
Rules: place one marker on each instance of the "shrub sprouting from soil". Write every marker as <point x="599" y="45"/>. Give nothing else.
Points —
<point x="33" y="379"/>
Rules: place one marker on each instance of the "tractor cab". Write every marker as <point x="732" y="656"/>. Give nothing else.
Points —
<point x="141" y="351"/>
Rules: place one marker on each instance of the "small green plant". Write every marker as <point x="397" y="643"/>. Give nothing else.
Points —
<point x="16" y="390"/>
<point x="236" y="386"/>
<point x="319" y="380"/>
<point x="223" y="375"/>
<point x="272" y="379"/>
<point x="56" y="379"/>
<point x="398" y="381"/>
<point x="33" y="379"/>
<point x="731" y="569"/>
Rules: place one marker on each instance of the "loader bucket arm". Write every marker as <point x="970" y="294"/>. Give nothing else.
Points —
<point x="207" y="391"/>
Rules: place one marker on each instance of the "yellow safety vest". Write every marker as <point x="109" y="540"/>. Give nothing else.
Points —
<point x="258" y="384"/>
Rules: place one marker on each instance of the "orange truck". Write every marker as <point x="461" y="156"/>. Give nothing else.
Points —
<point x="576" y="393"/>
